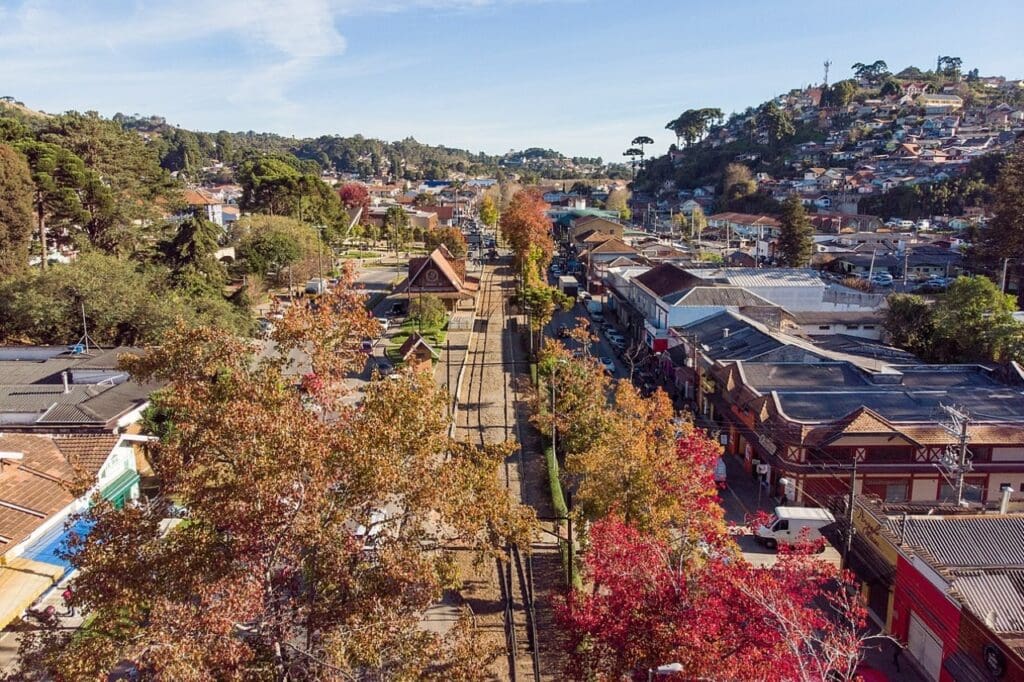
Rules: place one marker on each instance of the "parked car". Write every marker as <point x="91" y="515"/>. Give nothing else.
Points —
<point x="316" y="287"/>
<point x="882" y="279"/>
<point x="793" y="525"/>
<point x="608" y="364"/>
<point x="384" y="322"/>
<point x="366" y="346"/>
<point x="266" y="327"/>
<point x="397" y="309"/>
<point x="721" y="474"/>
<point x="384" y="367"/>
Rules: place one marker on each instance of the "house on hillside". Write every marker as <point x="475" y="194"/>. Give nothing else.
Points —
<point x="205" y="205"/>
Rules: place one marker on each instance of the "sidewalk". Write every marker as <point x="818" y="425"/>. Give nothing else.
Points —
<point x="10" y="638"/>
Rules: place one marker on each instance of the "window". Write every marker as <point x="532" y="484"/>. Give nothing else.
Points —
<point x="824" y="326"/>
<point x="781" y="525"/>
<point x="853" y="326"/>
<point x="974" y="491"/>
<point x="890" y="490"/>
<point x="869" y="326"/>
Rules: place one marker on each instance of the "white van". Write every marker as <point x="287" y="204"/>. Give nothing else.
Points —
<point x="790" y="525"/>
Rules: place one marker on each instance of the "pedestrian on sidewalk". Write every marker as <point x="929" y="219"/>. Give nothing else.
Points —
<point x="68" y="597"/>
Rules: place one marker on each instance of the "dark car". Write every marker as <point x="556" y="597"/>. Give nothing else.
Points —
<point x="397" y="308"/>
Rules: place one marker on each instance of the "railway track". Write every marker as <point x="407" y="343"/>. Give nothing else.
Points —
<point x="487" y="415"/>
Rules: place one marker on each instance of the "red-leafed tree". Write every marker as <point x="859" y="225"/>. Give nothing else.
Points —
<point x="709" y="610"/>
<point x="353" y="195"/>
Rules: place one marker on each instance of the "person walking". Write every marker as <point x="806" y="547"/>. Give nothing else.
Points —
<point x="68" y="596"/>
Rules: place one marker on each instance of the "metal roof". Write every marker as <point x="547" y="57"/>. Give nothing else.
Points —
<point x="761" y="277"/>
<point x="995" y="597"/>
<point x="964" y="541"/>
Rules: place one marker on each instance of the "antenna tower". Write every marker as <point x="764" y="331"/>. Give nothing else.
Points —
<point x="828" y="64"/>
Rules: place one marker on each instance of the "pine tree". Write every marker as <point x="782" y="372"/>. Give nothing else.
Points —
<point x="16" y="192"/>
<point x="795" y="244"/>
<point x="1003" y="236"/>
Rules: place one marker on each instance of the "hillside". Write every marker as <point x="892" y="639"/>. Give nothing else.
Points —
<point x="915" y="142"/>
<point x="187" y="151"/>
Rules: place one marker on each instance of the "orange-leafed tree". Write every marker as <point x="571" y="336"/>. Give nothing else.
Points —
<point x="318" y="529"/>
<point x="451" y="237"/>
<point x="527" y="229"/>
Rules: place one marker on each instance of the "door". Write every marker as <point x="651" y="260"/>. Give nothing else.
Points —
<point x="925" y="646"/>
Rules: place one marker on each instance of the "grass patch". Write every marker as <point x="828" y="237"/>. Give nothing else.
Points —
<point x="359" y="255"/>
<point x="561" y="511"/>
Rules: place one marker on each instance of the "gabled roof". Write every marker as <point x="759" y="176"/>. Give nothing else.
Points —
<point x="611" y="246"/>
<point x="440" y="258"/>
<point x="412" y="343"/>
<point x="593" y="237"/>
<point x="665" y="279"/>
<point x="198" y="197"/>
<point x="733" y="297"/>
<point x="31" y="489"/>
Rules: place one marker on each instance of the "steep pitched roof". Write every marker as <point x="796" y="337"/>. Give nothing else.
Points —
<point x="611" y="246"/>
<point x="413" y="342"/>
<point x="31" y="489"/>
<point x="441" y="259"/>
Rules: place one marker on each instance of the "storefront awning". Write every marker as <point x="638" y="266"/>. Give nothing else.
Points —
<point x="22" y="581"/>
<point x="120" y="485"/>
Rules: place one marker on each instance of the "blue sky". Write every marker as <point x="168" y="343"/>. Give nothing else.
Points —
<point x="580" y="76"/>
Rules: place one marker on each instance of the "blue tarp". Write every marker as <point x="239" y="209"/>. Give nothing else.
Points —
<point x="48" y="548"/>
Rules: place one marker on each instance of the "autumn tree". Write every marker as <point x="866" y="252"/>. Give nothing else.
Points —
<point x="618" y="201"/>
<point x="16" y="192"/>
<point x="647" y="468"/>
<point x="451" y="237"/>
<point x="318" y="531"/>
<point x="489" y="211"/>
<point x="354" y="195"/>
<point x="527" y="229"/>
<point x="654" y="601"/>
<point x="737" y="182"/>
<point x="795" y="245"/>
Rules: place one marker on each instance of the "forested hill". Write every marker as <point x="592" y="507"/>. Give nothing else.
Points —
<point x="186" y="151"/>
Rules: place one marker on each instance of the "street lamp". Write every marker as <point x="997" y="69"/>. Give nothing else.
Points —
<point x="667" y="669"/>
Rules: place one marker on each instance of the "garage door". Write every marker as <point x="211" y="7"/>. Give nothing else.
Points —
<point x="925" y="647"/>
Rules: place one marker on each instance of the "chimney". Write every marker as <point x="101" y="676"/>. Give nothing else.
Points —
<point x="1004" y="499"/>
<point x="64" y="376"/>
<point x="725" y="332"/>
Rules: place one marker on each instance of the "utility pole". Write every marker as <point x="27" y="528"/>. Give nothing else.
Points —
<point x="871" y="268"/>
<point x="906" y="264"/>
<point x="850" y="502"/>
<point x="960" y="464"/>
<point x="1002" y="280"/>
